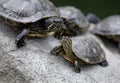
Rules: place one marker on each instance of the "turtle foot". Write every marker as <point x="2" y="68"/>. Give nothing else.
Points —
<point x="104" y="63"/>
<point x="21" y="44"/>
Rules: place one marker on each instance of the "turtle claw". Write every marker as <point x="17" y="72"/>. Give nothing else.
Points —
<point x="77" y="69"/>
<point x="104" y="63"/>
<point x="21" y="44"/>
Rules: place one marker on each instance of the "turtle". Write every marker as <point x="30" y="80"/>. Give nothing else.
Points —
<point x="74" y="19"/>
<point x="109" y="28"/>
<point x="34" y="18"/>
<point x="80" y="50"/>
<point x="92" y="18"/>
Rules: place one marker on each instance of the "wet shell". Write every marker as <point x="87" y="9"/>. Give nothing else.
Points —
<point x="27" y="10"/>
<point x="69" y="12"/>
<point x="88" y="50"/>
<point x="109" y="27"/>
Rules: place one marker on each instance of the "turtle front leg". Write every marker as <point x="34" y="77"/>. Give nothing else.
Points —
<point x="75" y="32"/>
<point x="59" y="34"/>
<point x="104" y="63"/>
<point x="20" y="39"/>
<point x="77" y="67"/>
<point x="56" y="50"/>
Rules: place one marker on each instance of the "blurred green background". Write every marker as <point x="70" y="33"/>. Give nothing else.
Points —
<point x="101" y="8"/>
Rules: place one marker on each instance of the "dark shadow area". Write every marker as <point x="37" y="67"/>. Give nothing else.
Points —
<point x="101" y="8"/>
<point x="110" y="44"/>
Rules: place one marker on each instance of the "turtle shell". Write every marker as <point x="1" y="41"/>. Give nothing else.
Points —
<point x="88" y="50"/>
<point x="69" y="12"/>
<point x="92" y="18"/>
<point x="108" y="26"/>
<point x="27" y="10"/>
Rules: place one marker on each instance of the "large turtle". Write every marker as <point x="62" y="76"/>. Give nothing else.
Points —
<point x="109" y="27"/>
<point x="81" y="50"/>
<point x="35" y="18"/>
<point x="74" y="20"/>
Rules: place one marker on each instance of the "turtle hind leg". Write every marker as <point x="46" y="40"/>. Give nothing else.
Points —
<point x="20" y="39"/>
<point x="77" y="67"/>
<point x="104" y="63"/>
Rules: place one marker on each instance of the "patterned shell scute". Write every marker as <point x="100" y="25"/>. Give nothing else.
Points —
<point x="88" y="50"/>
<point x="27" y="10"/>
<point x="109" y="26"/>
<point x="69" y="12"/>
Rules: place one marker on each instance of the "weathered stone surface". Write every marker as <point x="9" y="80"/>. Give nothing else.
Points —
<point x="34" y="64"/>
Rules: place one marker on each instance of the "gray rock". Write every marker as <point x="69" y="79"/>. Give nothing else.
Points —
<point x="34" y="64"/>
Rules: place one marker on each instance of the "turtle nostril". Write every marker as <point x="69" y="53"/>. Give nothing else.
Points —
<point x="57" y="21"/>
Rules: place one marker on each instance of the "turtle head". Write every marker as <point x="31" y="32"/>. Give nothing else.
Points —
<point x="70" y="23"/>
<point x="53" y="23"/>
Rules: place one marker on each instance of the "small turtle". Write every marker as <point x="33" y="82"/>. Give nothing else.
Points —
<point x="109" y="27"/>
<point x="92" y="18"/>
<point x="81" y="50"/>
<point x="74" y="20"/>
<point x="35" y="18"/>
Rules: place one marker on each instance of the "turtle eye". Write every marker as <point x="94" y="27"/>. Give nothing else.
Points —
<point x="72" y="19"/>
<point x="58" y="20"/>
